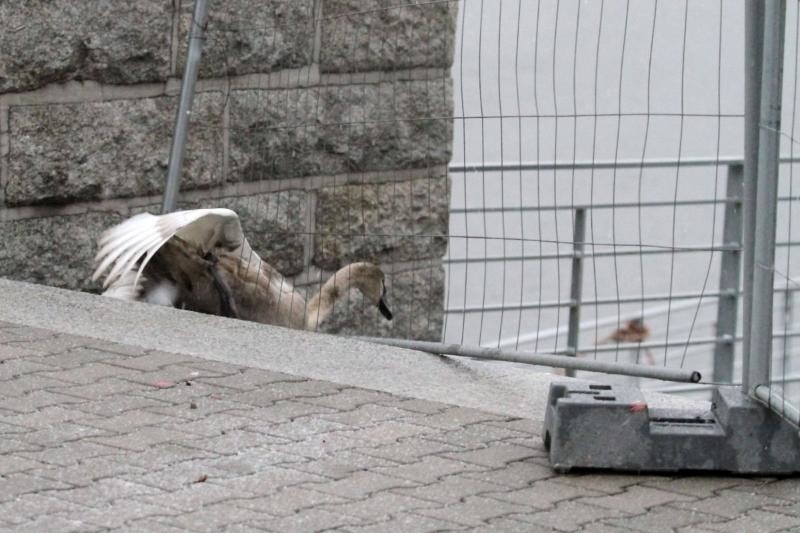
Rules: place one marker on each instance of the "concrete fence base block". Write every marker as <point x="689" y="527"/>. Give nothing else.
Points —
<point x="603" y="426"/>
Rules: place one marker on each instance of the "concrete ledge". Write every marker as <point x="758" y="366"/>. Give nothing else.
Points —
<point x="317" y="356"/>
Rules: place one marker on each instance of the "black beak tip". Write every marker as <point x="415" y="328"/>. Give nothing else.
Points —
<point x="384" y="309"/>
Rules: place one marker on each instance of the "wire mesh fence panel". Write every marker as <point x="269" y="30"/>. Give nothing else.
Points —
<point x="784" y="368"/>
<point x="630" y="112"/>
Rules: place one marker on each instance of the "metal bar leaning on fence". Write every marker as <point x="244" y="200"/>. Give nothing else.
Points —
<point x="199" y="18"/>
<point x="532" y="358"/>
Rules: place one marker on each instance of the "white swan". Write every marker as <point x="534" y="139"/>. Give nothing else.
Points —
<point x="200" y="260"/>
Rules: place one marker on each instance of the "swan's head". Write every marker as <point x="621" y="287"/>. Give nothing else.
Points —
<point x="370" y="280"/>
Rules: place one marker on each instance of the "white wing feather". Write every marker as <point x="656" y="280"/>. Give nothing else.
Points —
<point x="142" y="235"/>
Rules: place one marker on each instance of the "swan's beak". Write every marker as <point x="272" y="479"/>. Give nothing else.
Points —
<point x="384" y="309"/>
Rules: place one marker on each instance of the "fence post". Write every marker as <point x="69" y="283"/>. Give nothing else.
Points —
<point x="758" y="360"/>
<point x="199" y="17"/>
<point x="576" y="285"/>
<point x="753" y="55"/>
<point x="729" y="277"/>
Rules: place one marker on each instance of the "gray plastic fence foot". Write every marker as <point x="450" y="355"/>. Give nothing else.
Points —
<point x="611" y="427"/>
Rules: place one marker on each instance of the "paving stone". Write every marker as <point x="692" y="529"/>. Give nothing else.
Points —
<point x="495" y="454"/>
<point x="51" y="522"/>
<point x="285" y="391"/>
<point x="234" y="442"/>
<point x="756" y="520"/>
<point x="91" y="373"/>
<point x="46" y="417"/>
<point x="20" y="386"/>
<point x="61" y="432"/>
<point x="569" y="516"/>
<point x="510" y="524"/>
<point x="18" y="367"/>
<point x="387" y="432"/>
<point x="457" y="417"/>
<point x="214" y="517"/>
<point x="380" y="506"/>
<point x="428" y="470"/>
<point x="210" y="426"/>
<point x="542" y="494"/>
<point x="164" y="454"/>
<point x="254" y="460"/>
<point x="663" y="519"/>
<point x="730" y="503"/>
<point x="142" y="438"/>
<point x="349" y="398"/>
<point x="118" y="512"/>
<point x="320" y="445"/>
<point x="178" y="475"/>
<point x="16" y="463"/>
<point x="514" y="475"/>
<point x="365" y="414"/>
<point x="360" y="485"/>
<point x="117" y="405"/>
<point x="88" y="470"/>
<point x="9" y="352"/>
<point x="37" y="399"/>
<point x="10" y="445"/>
<point x="196" y="496"/>
<point x="474" y="435"/>
<point x="342" y="464"/>
<point x="474" y="511"/>
<point x="153" y="360"/>
<point x="637" y="499"/>
<point x="48" y="343"/>
<point x="30" y="506"/>
<point x="268" y="480"/>
<point x="309" y="520"/>
<point x="410" y="450"/>
<point x="612" y="483"/>
<point x="103" y="492"/>
<point x="196" y="408"/>
<point x="407" y="522"/>
<point x="153" y="523"/>
<point x="15" y="484"/>
<point x="301" y="429"/>
<point x="287" y="501"/>
<point x="416" y="406"/>
<point x="102" y="389"/>
<point x="75" y="358"/>
<point x="248" y="380"/>
<point x="782" y="488"/>
<point x="281" y="411"/>
<point x="126" y="422"/>
<point x="450" y="489"/>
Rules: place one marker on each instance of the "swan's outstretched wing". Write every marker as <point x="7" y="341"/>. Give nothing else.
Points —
<point x="141" y="236"/>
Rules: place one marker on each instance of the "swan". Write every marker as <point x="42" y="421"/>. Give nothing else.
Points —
<point x="200" y="260"/>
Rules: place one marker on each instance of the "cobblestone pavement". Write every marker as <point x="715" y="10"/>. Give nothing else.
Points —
<point x="99" y="436"/>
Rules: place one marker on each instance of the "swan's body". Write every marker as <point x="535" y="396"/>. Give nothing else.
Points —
<point x="200" y="260"/>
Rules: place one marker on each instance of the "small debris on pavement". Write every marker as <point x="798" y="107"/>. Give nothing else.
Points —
<point x="163" y="384"/>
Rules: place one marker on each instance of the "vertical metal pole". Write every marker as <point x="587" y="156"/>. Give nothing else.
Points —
<point x="199" y="17"/>
<point x="767" y="197"/>
<point x="576" y="286"/>
<point x="753" y="55"/>
<point x="729" y="277"/>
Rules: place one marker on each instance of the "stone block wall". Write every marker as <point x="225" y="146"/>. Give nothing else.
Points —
<point x="326" y="124"/>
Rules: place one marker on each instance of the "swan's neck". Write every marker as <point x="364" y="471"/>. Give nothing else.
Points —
<point x="321" y="305"/>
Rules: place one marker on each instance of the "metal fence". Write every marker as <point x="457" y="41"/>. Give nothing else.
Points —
<point x="603" y="207"/>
